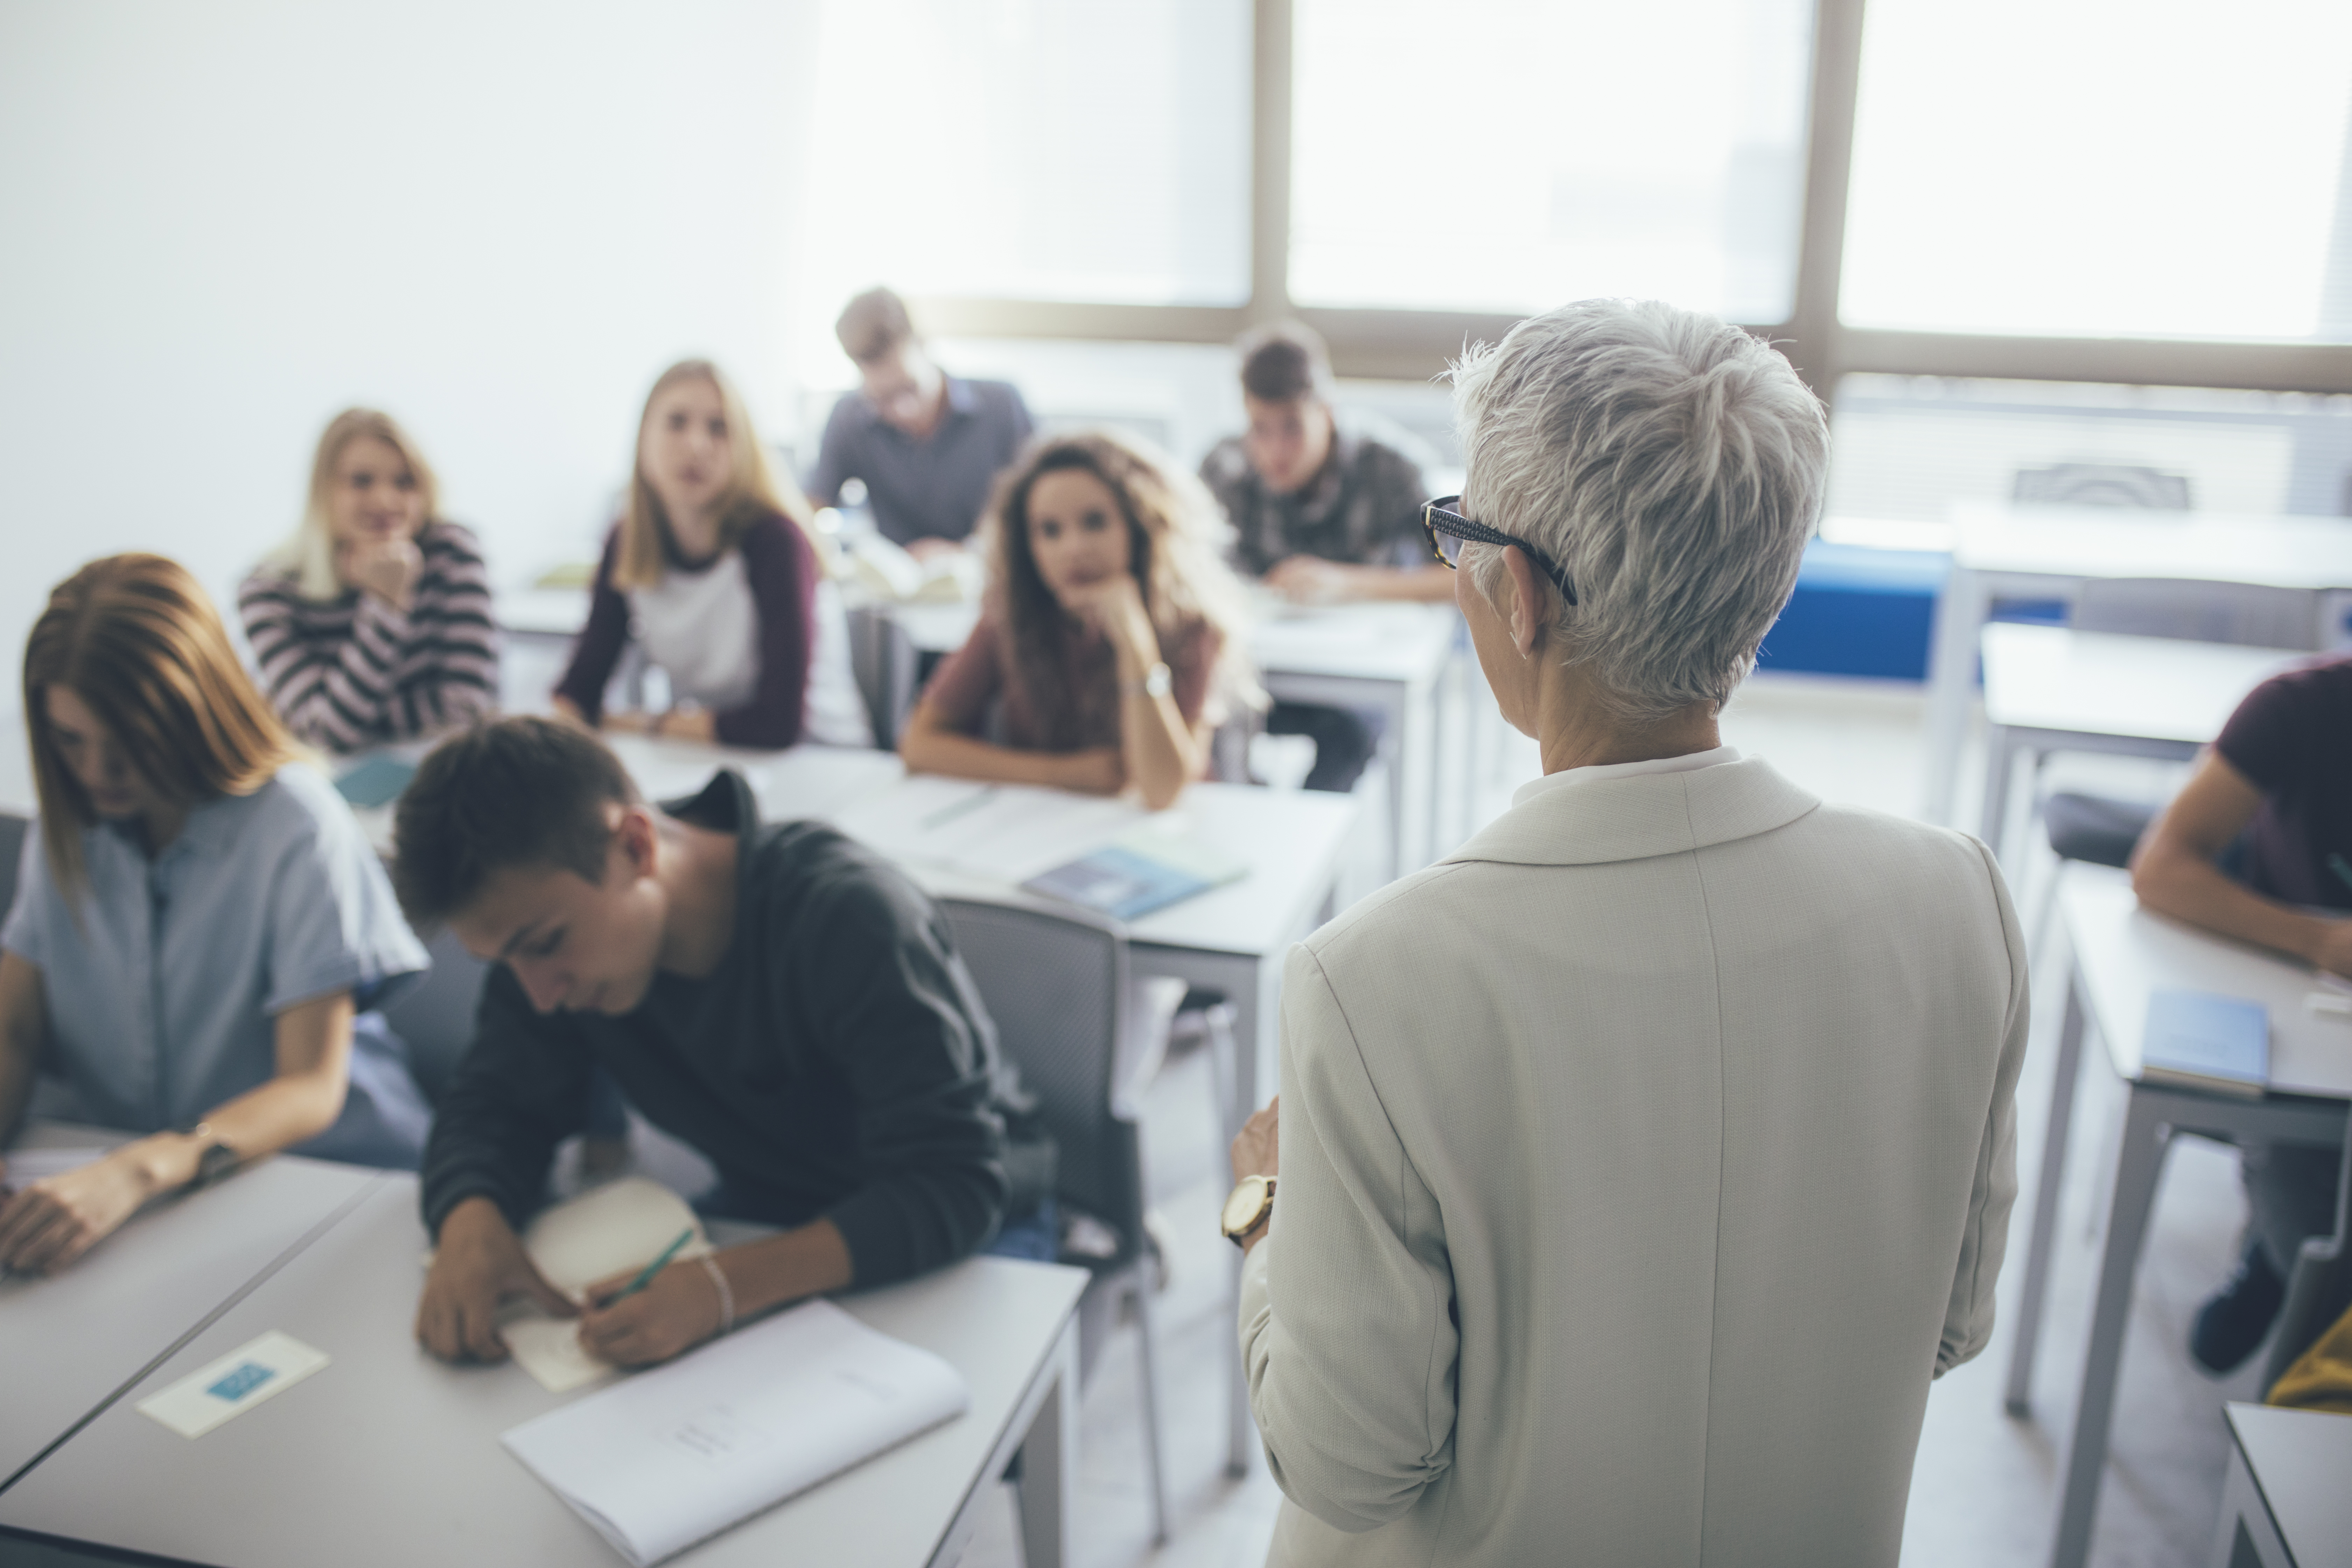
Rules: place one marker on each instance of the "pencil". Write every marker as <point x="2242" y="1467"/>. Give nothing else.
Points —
<point x="646" y="1278"/>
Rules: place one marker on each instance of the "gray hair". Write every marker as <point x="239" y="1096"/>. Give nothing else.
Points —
<point x="1671" y="464"/>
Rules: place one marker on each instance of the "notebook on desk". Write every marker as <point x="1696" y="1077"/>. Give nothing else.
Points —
<point x="681" y="1452"/>
<point x="1137" y="874"/>
<point x="2200" y="1040"/>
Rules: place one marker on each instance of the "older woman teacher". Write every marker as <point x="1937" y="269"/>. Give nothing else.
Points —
<point x="1639" y="1164"/>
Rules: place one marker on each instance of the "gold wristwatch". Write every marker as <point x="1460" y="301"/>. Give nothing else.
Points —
<point x="1247" y="1209"/>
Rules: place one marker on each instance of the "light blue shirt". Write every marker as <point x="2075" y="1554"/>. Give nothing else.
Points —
<point x="164" y="979"/>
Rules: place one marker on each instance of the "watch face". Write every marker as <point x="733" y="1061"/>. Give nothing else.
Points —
<point x="1241" y="1208"/>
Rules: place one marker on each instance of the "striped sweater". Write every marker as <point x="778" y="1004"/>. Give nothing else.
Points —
<point x="354" y="671"/>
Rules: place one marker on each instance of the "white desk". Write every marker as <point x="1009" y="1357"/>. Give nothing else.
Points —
<point x="1230" y="939"/>
<point x="1390" y="657"/>
<point x="2286" y="1501"/>
<point x="2047" y="688"/>
<point x="388" y="1456"/>
<point x="2121" y="954"/>
<point x="2045" y="552"/>
<point x="69" y="1344"/>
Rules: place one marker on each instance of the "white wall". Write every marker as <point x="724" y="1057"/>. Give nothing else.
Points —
<point x="498" y="221"/>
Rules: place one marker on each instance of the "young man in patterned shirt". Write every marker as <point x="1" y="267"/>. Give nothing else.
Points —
<point x="1328" y="507"/>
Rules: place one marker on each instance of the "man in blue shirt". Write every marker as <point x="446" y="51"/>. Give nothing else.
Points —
<point x="926" y="445"/>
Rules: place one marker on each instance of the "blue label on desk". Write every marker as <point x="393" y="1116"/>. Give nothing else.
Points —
<point x="242" y="1381"/>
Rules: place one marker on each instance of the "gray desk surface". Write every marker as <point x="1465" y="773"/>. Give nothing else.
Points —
<point x="2301" y="1460"/>
<point x="387" y="1456"/>
<point x="1290" y="839"/>
<point x="2125" y="952"/>
<point x="71" y="1342"/>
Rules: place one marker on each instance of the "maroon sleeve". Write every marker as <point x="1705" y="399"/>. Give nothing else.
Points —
<point x="2269" y="739"/>
<point x="782" y="570"/>
<point x="598" y="647"/>
<point x="1191" y="667"/>
<point x="968" y="679"/>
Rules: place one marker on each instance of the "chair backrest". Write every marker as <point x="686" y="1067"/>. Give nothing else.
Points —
<point x="1055" y="984"/>
<point x="2246" y="614"/>
<point x="2319" y="1286"/>
<point x="13" y="831"/>
<point x="882" y="662"/>
<point x="434" y="1017"/>
<point x="2102" y="484"/>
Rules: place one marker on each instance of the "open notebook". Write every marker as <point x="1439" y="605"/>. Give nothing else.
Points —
<point x="612" y="1229"/>
<point x="674" y="1455"/>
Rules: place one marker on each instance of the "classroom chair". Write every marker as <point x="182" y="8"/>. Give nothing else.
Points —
<point x="434" y="1017"/>
<point x="1085" y="1038"/>
<point x="13" y="829"/>
<point x="2319" y="1287"/>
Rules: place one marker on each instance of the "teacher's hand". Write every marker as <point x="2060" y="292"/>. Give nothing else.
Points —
<point x="675" y="1313"/>
<point x="1259" y="1150"/>
<point x="56" y="1220"/>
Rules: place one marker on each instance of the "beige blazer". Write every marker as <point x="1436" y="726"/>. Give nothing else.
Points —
<point x="1640" y="1166"/>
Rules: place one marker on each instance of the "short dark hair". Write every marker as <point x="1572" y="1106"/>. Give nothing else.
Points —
<point x="873" y="324"/>
<point x="1284" y="361"/>
<point x="514" y="791"/>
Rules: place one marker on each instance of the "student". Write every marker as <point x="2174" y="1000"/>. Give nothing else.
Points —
<point x="772" y="994"/>
<point x="1326" y="509"/>
<point x="1107" y="636"/>
<point x="924" y="443"/>
<point x="711" y="567"/>
<point x="2258" y="847"/>
<point x="200" y="931"/>
<point x="372" y="623"/>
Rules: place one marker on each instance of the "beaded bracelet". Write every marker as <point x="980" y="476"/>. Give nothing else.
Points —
<point x="726" y="1293"/>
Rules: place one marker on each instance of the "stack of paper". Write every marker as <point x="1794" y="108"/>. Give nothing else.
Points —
<point x="675" y="1455"/>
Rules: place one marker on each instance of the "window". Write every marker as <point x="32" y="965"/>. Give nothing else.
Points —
<point x="1511" y="155"/>
<point x="1904" y="447"/>
<point x="1063" y="150"/>
<point x="2103" y="168"/>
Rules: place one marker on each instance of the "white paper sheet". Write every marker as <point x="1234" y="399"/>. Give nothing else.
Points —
<point x="616" y="1227"/>
<point x="673" y="1455"/>
<point x="233" y="1384"/>
<point x="26" y="1166"/>
<point x="1000" y="833"/>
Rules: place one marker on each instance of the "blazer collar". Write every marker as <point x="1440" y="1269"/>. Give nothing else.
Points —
<point x="1602" y="820"/>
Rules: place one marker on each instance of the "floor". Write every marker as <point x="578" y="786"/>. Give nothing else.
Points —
<point x="1984" y="1490"/>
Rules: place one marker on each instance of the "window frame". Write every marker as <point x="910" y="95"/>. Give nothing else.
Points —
<point x="1416" y="344"/>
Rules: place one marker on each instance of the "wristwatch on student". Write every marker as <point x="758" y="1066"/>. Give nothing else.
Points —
<point x="1249" y="1206"/>
<point x="1156" y="682"/>
<point x="217" y="1160"/>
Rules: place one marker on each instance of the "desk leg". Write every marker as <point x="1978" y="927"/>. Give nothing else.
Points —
<point x="1049" y="1460"/>
<point x="1253" y="990"/>
<point x="1951" y="678"/>
<point x="2045" y="1201"/>
<point x="2000" y="771"/>
<point x="2147" y="1137"/>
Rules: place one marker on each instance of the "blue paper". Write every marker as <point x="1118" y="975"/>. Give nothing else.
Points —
<point x="2207" y="1041"/>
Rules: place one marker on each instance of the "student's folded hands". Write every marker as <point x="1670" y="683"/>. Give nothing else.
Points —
<point x="675" y="1313"/>
<point x="478" y="1264"/>
<point x="50" y="1223"/>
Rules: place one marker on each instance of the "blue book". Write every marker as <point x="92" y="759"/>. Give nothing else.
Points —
<point x="1136" y="875"/>
<point x="2203" y="1041"/>
<point x="376" y="781"/>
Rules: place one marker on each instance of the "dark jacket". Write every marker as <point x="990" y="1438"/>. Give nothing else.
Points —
<point x="837" y="1063"/>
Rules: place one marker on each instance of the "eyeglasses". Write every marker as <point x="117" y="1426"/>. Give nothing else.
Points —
<point x="1449" y="531"/>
